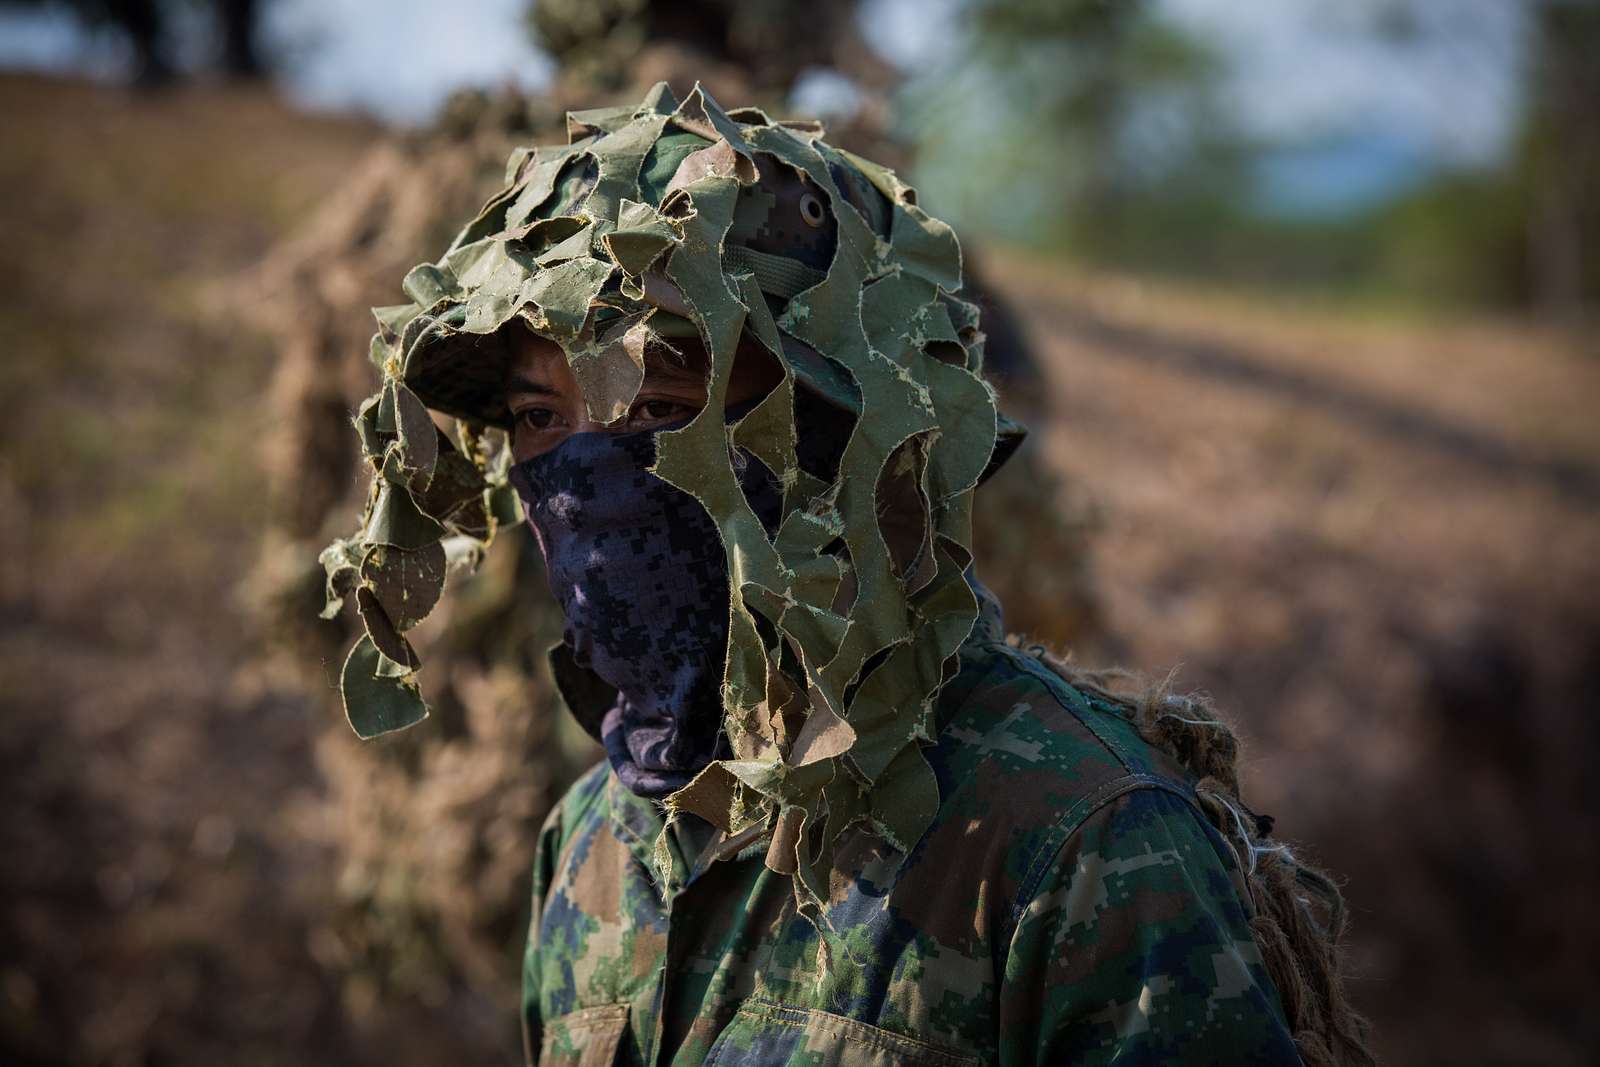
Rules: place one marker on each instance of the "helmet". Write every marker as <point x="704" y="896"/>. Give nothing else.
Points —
<point x="784" y="234"/>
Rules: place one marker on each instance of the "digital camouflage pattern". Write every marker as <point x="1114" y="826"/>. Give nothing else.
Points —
<point x="639" y="573"/>
<point x="1069" y="903"/>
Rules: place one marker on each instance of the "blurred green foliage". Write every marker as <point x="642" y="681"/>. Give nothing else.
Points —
<point x="1098" y="131"/>
<point x="1095" y="124"/>
<point x="1525" y="233"/>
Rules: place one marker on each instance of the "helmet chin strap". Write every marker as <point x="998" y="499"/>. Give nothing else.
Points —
<point x="776" y="275"/>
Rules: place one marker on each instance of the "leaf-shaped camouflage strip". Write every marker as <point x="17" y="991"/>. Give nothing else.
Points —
<point x="379" y="695"/>
<point x="382" y="632"/>
<point x="341" y="563"/>
<point x="418" y="439"/>
<point x="396" y="520"/>
<point x="405" y="584"/>
<point x="681" y="220"/>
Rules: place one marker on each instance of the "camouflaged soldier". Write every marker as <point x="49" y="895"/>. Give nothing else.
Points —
<point x="842" y="820"/>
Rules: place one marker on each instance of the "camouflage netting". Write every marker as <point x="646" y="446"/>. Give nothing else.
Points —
<point x="498" y="749"/>
<point x="841" y="632"/>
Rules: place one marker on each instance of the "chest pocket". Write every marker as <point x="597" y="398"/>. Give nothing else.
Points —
<point x="773" y="1035"/>
<point x="586" y="1038"/>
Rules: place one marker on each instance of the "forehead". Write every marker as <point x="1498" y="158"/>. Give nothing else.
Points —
<point x="531" y="355"/>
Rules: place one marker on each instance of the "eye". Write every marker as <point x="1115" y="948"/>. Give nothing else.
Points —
<point x="535" y="430"/>
<point x="535" y="419"/>
<point x="660" y="411"/>
<point x="811" y="210"/>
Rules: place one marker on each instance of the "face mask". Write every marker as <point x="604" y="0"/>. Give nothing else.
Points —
<point x="641" y="575"/>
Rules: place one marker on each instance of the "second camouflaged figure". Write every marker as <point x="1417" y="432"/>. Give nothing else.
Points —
<point x="842" y="820"/>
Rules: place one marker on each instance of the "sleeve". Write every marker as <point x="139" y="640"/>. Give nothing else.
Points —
<point x="1134" y="948"/>
<point x="544" y="859"/>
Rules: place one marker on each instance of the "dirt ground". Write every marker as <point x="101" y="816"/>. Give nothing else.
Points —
<point x="1373" y="537"/>
<point x="1375" y="542"/>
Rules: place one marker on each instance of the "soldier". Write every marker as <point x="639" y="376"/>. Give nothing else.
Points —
<point x="842" y="819"/>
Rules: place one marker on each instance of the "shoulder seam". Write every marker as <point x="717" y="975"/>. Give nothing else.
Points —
<point x="1073" y="819"/>
<point x="1075" y="703"/>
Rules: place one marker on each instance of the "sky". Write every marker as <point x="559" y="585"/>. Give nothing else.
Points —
<point x="1354" y="116"/>
<point x="398" y="59"/>
<point x="1309" y="69"/>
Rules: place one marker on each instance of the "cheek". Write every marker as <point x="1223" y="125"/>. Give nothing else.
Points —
<point x="528" y="443"/>
<point x="754" y="374"/>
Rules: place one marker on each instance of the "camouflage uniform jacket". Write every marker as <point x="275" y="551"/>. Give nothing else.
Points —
<point x="1069" y="905"/>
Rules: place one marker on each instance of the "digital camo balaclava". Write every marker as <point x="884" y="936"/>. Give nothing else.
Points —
<point x="845" y="603"/>
<point x="642" y="579"/>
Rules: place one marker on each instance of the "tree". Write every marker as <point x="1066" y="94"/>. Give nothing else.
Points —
<point x="1100" y="115"/>
<point x="147" y="27"/>
<point x="1563" y="159"/>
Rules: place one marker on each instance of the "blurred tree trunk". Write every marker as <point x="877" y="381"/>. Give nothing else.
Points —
<point x="1564" y="219"/>
<point x="145" y="25"/>
<point x="241" y="58"/>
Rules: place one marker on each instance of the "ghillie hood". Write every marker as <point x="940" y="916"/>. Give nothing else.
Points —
<point x="676" y="220"/>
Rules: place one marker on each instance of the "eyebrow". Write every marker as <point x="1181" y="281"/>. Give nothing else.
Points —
<point x="522" y="385"/>
<point x="674" y="373"/>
